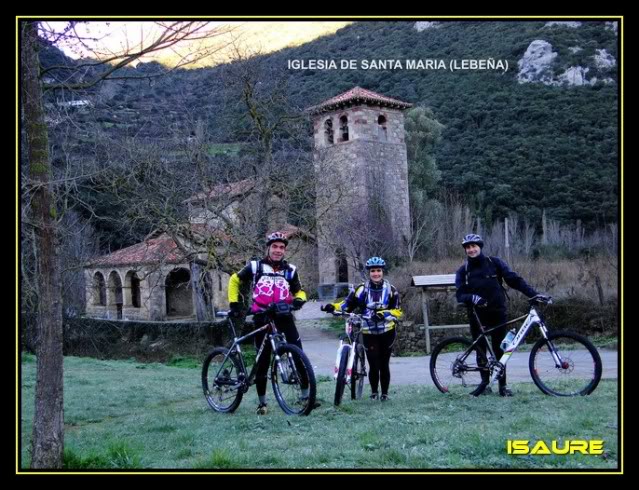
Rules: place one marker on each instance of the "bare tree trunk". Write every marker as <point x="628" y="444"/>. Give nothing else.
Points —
<point x="203" y="311"/>
<point x="600" y="293"/>
<point x="507" y="242"/>
<point x="48" y="420"/>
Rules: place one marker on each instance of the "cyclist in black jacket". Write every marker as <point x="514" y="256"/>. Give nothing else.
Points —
<point x="479" y="283"/>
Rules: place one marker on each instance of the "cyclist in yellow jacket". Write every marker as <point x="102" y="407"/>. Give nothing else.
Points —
<point x="274" y="280"/>
<point x="379" y="300"/>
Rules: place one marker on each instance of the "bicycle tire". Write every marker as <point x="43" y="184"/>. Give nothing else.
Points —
<point x="358" y="375"/>
<point x="451" y="374"/>
<point x="341" y="375"/>
<point x="580" y="372"/>
<point x="223" y="393"/>
<point x="287" y="387"/>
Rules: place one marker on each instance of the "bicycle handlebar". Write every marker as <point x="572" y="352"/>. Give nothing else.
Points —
<point x="273" y="309"/>
<point x="540" y="299"/>
<point x="344" y="313"/>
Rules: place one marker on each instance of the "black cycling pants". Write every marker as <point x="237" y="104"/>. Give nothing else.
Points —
<point x="286" y="325"/>
<point x="378" y="353"/>
<point x="490" y="318"/>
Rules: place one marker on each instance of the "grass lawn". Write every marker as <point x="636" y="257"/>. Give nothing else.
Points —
<point x="125" y="414"/>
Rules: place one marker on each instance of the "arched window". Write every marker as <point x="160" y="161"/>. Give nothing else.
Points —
<point x="328" y="131"/>
<point x="343" y="128"/>
<point x="382" y="132"/>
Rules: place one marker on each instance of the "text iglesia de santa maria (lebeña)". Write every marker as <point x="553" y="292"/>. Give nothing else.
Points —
<point x="397" y="64"/>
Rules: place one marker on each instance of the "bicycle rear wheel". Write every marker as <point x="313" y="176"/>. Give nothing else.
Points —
<point x="578" y="373"/>
<point x="457" y="368"/>
<point x="293" y="380"/>
<point x="220" y="381"/>
<point x="341" y="375"/>
<point x="358" y="376"/>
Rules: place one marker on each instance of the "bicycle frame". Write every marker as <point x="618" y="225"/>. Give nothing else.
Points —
<point x="456" y="362"/>
<point x="273" y="336"/>
<point x="532" y="318"/>
<point x="354" y="338"/>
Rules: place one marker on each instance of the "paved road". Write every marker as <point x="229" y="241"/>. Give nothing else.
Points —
<point x="321" y="347"/>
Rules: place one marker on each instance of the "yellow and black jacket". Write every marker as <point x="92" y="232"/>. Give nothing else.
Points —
<point x="271" y="282"/>
<point x="370" y="298"/>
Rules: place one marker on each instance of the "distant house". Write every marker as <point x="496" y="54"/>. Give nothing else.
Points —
<point x="147" y="281"/>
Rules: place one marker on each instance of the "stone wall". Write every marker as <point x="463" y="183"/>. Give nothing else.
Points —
<point x="144" y="341"/>
<point x="220" y="289"/>
<point x="410" y="338"/>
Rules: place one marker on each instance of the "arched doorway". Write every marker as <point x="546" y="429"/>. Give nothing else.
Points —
<point x="341" y="263"/>
<point x="132" y="289"/>
<point x="179" y="296"/>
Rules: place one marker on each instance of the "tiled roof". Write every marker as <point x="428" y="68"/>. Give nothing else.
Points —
<point x="358" y="95"/>
<point x="162" y="249"/>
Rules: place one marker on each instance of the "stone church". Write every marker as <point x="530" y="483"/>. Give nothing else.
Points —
<point x="362" y="196"/>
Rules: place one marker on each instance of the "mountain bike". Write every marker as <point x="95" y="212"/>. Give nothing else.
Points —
<point x="350" y="365"/>
<point x="561" y="363"/>
<point x="225" y="379"/>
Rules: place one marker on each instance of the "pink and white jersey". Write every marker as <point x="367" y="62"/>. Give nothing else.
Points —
<point x="271" y="286"/>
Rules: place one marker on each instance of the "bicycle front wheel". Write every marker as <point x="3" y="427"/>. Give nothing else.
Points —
<point x="457" y="368"/>
<point x="341" y="374"/>
<point x="358" y="376"/>
<point x="576" y="371"/>
<point x="221" y="381"/>
<point x="293" y="380"/>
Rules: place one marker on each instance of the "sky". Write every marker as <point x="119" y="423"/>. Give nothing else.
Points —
<point x="113" y="37"/>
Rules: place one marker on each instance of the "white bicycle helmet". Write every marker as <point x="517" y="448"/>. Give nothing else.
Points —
<point x="276" y="237"/>
<point x="473" y="238"/>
